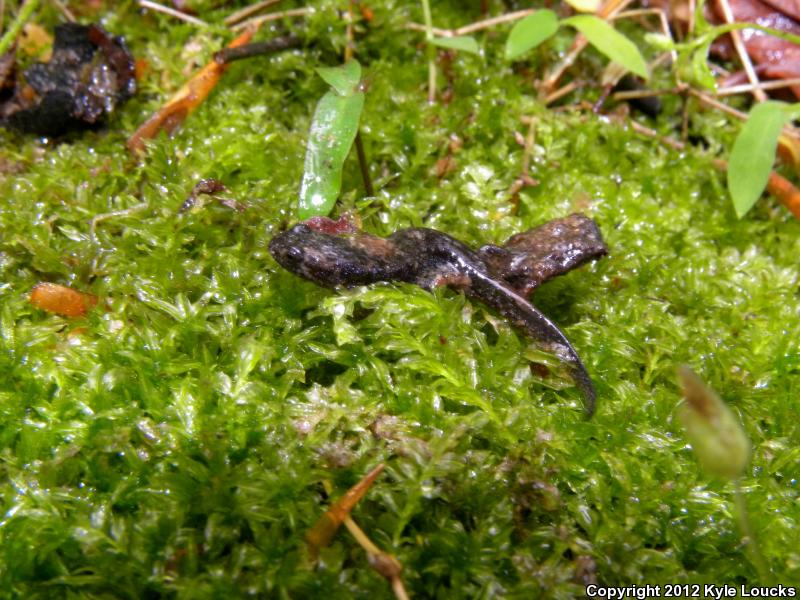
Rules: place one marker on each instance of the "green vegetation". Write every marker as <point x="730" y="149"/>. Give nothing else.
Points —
<point x="176" y="443"/>
<point x="330" y="137"/>
<point x="753" y="152"/>
<point x="536" y="28"/>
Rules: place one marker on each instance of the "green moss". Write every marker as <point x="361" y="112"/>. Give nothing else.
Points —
<point x="178" y="446"/>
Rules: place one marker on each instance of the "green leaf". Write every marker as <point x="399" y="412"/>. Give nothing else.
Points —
<point x="701" y="72"/>
<point x="333" y="130"/>
<point x="530" y="32"/>
<point x="660" y="42"/>
<point x="343" y="79"/>
<point x="464" y="43"/>
<point x="610" y="42"/>
<point x="753" y="153"/>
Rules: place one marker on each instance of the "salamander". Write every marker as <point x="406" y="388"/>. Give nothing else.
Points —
<point x="336" y="254"/>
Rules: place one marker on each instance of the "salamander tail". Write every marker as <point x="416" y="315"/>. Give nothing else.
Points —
<point x="585" y="385"/>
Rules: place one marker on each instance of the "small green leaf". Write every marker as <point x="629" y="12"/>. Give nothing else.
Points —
<point x="464" y="43"/>
<point x="343" y="79"/>
<point x="333" y="130"/>
<point x="659" y="41"/>
<point x="701" y="72"/>
<point x="753" y="153"/>
<point x="530" y="32"/>
<point x="610" y="42"/>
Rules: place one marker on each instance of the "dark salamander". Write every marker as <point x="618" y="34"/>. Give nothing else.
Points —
<point x="334" y="253"/>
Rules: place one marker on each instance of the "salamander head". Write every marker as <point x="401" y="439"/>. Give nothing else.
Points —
<point x="330" y="260"/>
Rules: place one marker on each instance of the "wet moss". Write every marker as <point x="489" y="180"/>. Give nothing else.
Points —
<point x="176" y="446"/>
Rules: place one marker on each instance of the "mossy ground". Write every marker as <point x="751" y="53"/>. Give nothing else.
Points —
<point x="177" y="443"/>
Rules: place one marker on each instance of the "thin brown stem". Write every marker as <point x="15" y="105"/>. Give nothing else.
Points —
<point x="634" y="94"/>
<point x="349" y="34"/>
<point x="172" y="12"/>
<point x="704" y="98"/>
<point x="714" y="103"/>
<point x="652" y="66"/>
<point x="498" y="20"/>
<point x="228" y="55"/>
<point x="742" y="52"/>
<point x="637" y="12"/>
<point x="248" y="11"/>
<point x="562" y="91"/>
<point x="577" y="47"/>
<point x="361" y="537"/>
<point x="384" y="563"/>
<point x="64" y="11"/>
<point x="438" y="32"/>
<point x="763" y="85"/>
<point x="286" y="14"/>
<point x="685" y="117"/>
<point x="473" y="27"/>
<point x="362" y="163"/>
<point x="399" y="590"/>
<point x="652" y="133"/>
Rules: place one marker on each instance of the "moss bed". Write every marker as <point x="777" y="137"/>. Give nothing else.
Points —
<point x="182" y="442"/>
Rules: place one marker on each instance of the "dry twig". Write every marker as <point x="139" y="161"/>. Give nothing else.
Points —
<point x="286" y="14"/>
<point x="172" y="12"/>
<point x="499" y="20"/>
<point x="349" y="33"/>
<point x="435" y="30"/>
<point x="384" y="563"/>
<point x="634" y="94"/>
<point x="64" y="11"/>
<point x="714" y="103"/>
<point x="248" y="11"/>
<point x="232" y="53"/>
<point x="562" y="91"/>
<point x="762" y="85"/>
<point x="473" y="27"/>
<point x="742" y="52"/>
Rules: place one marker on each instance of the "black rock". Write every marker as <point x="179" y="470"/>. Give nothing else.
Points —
<point x="89" y="75"/>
